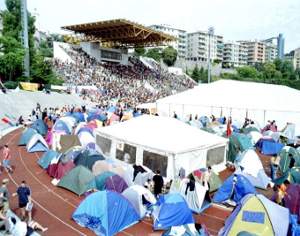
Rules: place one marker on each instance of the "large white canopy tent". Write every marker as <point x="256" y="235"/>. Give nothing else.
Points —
<point x="162" y="143"/>
<point x="257" y="101"/>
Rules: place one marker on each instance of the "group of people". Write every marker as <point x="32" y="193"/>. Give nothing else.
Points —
<point x="131" y="84"/>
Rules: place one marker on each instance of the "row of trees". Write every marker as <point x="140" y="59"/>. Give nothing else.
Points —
<point x="168" y="54"/>
<point x="12" y="51"/>
<point x="277" y="72"/>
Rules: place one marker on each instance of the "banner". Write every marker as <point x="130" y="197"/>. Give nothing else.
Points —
<point x="29" y="86"/>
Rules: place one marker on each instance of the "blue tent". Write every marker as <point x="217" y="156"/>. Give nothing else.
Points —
<point x="106" y="213"/>
<point x="95" y="116"/>
<point x="269" y="147"/>
<point x="171" y="210"/>
<point x="235" y="188"/>
<point x="46" y="159"/>
<point x="112" y="109"/>
<point x="37" y="144"/>
<point x="78" y="116"/>
<point x="257" y="215"/>
<point x="40" y="127"/>
<point x="61" y="126"/>
<point x="85" y="129"/>
<point x="26" y="136"/>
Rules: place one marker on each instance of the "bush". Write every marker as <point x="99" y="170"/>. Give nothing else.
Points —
<point x="11" y="84"/>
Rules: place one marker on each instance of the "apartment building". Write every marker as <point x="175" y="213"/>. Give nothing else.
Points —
<point x="256" y="51"/>
<point x="271" y="52"/>
<point x="198" y="47"/>
<point x="294" y="57"/>
<point x="181" y="35"/>
<point x="234" y="55"/>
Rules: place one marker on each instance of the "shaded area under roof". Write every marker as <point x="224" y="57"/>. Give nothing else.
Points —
<point x="121" y="33"/>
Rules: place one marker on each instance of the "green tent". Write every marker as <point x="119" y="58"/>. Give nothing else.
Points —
<point x="100" y="179"/>
<point x="249" y="129"/>
<point x="79" y="180"/>
<point x="285" y="159"/>
<point x="238" y="142"/>
<point x="292" y="175"/>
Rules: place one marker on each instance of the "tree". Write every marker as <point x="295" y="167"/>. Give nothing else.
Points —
<point x="269" y="70"/>
<point x="247" y="72"/>
<point x="140" y="51"/>
<point x="196" y="74"/>
<point x="154" y="53"/>
<point x="45" y="48"/>
<point x="169" y="55"/>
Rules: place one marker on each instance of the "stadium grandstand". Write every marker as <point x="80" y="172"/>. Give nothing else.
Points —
<point x="102" y="59"/>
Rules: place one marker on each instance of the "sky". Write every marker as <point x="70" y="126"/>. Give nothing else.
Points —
<point x="233" y="19"/>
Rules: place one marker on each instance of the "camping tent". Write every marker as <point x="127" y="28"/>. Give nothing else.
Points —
<point x="71" y="154"/>
<point x="257" y="215"/>
<point x="63" y="168"/>
<point x="269" y="146"/>
<point x="79" y="180"/>
<point x="110" y="181"/>
<point x="194" y="198"/>
<point x="285" y="159"/>
<point x="162" y="143"/>
<point x="255" y="136"/>
<point x="46" y="159"/>
<point x="40" y="126"/>
<point x="233" y="189"/>
<point x="292" y="199"/>
<point x="214" y="181"/>
<point x="88" y="158"/>
<point x="171" y="210"/>
<point x="241" y="99"/>
<point x="238" y="142"/>
<point x="26" y="136"/>
<point x="134" y="194"/>
<point x="61" y="126"/>
<point x="37" y="144"/>
<point x="84" y="129"/>
<point x="252" y="169"/>
<point x="79" y="116"/>
<point x="86" y="138"/>
<point x="106" y="213"/>
<point x="68" y="141"/>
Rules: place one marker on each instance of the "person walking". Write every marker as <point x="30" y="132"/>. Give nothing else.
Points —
<point x="158" y="183"/>
<point x="24" y="197"/>
<point x="6" y="159"/>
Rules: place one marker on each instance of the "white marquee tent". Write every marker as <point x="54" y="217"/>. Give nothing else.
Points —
<point x="162" y="143"/>
<point x="257" y="101"/>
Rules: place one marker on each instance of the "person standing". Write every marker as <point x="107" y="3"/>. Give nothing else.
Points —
<point x="24" y="197"/>
<point x="6" y="159"/>
<point x="158" y="183"/>
<point x="205" y="182"/>
<point x="274" y="163"/>
<point x="4" y="194"/>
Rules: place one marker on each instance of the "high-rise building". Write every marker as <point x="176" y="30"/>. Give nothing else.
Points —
<point x="271" y="52"/>
<point x="279" y="43"/>
<point x="256" y="51"/>
<point x="294" y="57"/>
<point x="234" y="54"/>
<point x="181" y="35"/>
<point x="198" y="47"/>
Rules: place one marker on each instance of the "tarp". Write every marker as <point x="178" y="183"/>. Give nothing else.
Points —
<point x="234" y="188"/>
<point x="106" y="213"/>
<point x="68" y="141"/>
<point x="110" y="181"/>
<point x="40" y="127"/>
<point x="292" y="199"/>
<point x="45" y="160"/>
<point x="257" y="215"/>
<point x="26" y="136"/>
<point x="269" y="147"/>
<point x="88" y="158"/>
<point x="171" y="210"/>
<point x="29" y="86"/>
<point x="134" y="194"/>
<point x="79" y="180"/>
<point x="37" y="144"/>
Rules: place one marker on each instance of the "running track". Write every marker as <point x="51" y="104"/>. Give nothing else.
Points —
<point x="54" y="206"/>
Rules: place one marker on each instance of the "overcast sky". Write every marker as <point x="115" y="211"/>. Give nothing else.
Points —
<point x="234" y="19"/>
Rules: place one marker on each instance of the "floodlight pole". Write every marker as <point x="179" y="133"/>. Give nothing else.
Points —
<point x="210" y="34"/>
<point x="24" y="20"/>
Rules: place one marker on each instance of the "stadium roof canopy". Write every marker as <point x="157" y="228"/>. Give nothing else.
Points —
<point x="120" y="33"/>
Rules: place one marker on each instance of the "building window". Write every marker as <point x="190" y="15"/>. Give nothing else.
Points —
<point x="215" y="156"/>
<point x="127" y="153"/>
<point x="155" y="162"/>
<point x="104" y="144"/>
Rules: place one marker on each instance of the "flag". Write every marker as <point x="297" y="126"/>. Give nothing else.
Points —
<point x="7" y="121"/>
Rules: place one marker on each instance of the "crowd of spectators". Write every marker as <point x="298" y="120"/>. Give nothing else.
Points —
<point x="130" y="84"/>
